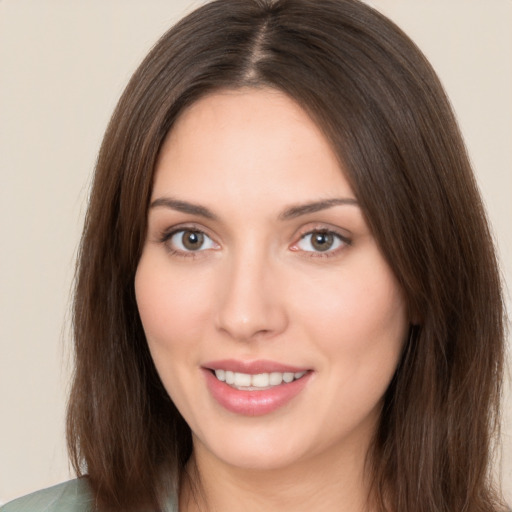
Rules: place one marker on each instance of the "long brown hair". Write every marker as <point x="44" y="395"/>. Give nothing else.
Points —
<point x="383" y="109"/>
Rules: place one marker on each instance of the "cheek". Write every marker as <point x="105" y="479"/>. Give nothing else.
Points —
<point x="173" y="309"/>
<point x="359" y="317"/>
<point x="174" y="313"/>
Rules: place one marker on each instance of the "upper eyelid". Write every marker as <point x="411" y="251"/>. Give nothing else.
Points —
<point x="343" y="237"/>
<point x="345" y="242"/>
<point x="186" y="226"/>
<point x="314" y="227"/>
<point x="344" y="234"/>
<point x="165" y="238"/>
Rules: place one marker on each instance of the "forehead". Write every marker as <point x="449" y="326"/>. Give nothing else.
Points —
<point x="248" y="142"/>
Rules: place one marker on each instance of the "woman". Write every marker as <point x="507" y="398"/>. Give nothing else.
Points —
<point x="287" y="295"/>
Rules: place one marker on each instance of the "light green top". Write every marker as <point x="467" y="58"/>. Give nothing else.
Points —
<point x="72" y="496"/>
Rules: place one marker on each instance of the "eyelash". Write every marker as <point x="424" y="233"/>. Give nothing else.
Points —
<point x="169" y="233"/>
<point x="344" y="241"/>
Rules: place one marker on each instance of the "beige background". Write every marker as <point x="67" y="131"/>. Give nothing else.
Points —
<point x="63" y="64"/>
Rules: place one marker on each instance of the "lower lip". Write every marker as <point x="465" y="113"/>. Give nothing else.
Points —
<point x="254" y="403"/>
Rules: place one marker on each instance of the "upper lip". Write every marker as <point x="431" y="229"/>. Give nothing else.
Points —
<point x="252" y="367"/>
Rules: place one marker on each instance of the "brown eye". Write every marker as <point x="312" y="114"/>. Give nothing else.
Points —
<point x="322" y="241"/>
<point x="192" y="240"/>
<point x="189" y="240"/>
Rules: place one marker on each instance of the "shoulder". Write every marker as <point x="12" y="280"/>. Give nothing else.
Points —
<point x="72" y="496"/>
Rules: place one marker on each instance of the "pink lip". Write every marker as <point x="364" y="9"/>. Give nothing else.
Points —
<point x="253" y="403"/>
<point x="252" y="367"/>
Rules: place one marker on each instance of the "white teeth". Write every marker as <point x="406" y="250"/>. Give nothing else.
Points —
<point x="288" y="376"/>
<point x="276" y="378"/>
<point x="242" y="379"/>
<point x="260" y="380"/>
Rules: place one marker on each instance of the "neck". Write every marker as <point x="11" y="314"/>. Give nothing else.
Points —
<point x="328" y="482"/>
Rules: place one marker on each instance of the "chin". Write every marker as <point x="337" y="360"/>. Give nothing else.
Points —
<point x="254" y="449"/>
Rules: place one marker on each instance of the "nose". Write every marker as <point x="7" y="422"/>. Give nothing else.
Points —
<point x="252" y="302"/>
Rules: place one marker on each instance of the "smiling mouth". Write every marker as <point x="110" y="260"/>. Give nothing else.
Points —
<point x="254" y="388"/>
<point x="256" y="382"/>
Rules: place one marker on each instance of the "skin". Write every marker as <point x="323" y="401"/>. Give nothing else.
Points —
<point x="259" y="289"/>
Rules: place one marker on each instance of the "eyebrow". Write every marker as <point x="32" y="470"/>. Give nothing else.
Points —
<point x="315" y="206"/>
<point x="288" y="214"/>
<point x="184" y="207"/>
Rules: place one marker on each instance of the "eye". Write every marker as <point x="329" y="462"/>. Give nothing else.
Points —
<point x="321" y="241"/>
<point x="190" y="240"/>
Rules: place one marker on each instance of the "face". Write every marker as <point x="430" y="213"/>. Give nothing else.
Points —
<point x="273" y="320"/>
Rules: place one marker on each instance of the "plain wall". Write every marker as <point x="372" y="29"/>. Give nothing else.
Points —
<point x="63" y="65"/>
